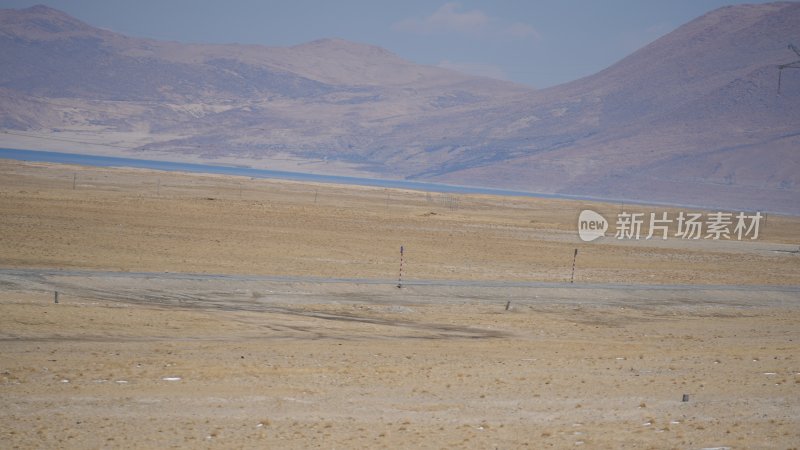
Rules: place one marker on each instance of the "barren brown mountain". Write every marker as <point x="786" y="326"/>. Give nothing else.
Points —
<point x="693" y="118"/>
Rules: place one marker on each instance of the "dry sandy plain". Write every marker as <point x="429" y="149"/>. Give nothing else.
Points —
<point x="200" y="311"/>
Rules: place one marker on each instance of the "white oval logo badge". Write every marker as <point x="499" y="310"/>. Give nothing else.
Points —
<point x="591" y="225"/>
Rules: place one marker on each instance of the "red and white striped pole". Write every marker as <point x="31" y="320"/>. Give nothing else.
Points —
<point x="400" y="277"/>
<point x="574" y="258"/>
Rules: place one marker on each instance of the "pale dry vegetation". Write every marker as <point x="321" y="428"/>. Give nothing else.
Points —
<point x="160" y="360"/>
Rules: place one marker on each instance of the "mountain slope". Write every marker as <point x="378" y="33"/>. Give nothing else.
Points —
<point x="692" y="118"/>
<point x="327" y="100"/>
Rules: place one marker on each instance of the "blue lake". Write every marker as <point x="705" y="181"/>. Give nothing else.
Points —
<point x="109" y="161"/>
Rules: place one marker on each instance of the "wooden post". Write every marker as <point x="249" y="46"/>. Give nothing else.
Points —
<point x="508" y="305"/>
<point x="74" y="180"/>
<point x="56" y="297"/>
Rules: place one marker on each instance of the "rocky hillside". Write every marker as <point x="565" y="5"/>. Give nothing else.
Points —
<point x="692" y="118"/>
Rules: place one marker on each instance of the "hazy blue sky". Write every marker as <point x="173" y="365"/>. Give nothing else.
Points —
<point x="539" y="43"/>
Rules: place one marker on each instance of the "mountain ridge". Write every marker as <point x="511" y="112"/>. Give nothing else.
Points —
<point x="692" y="117"/>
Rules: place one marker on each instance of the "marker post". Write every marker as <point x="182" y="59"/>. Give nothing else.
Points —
<point x="574" y="258"/>
<point x="400" y="277"/>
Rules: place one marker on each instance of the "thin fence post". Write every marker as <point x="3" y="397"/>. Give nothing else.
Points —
<point x="574" y="258"/>
<point x="400" y="277"/>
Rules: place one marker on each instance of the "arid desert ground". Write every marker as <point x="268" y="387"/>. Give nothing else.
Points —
<point x="200" y="311"/>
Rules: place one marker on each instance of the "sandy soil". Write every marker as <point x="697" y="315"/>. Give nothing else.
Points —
<point x="170" y="361"/>
<point x="135" y="220"/>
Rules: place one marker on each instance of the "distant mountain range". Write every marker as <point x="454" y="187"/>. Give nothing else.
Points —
<point x="693" y="118"/>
